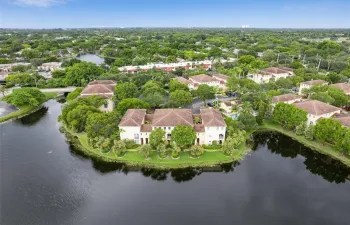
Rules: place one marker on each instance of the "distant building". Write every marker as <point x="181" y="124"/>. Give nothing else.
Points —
<point x="272" y="73"/>
<point x="137" y="125"/>
<point x="222" y="78"/>
<point x="317" y="110"/>
<point x="309" y="84"/>
<point x="50" y="66"/>
<point x="8" y="67"/>
<point x="204" y="79"/>
<point x="342" y="86"/>
<point x="187" y="65"/>
<point x="286" y="98"/>
<point x="104" y="88"/>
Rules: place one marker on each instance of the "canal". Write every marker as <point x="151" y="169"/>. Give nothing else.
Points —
<point x="45" y="181"/>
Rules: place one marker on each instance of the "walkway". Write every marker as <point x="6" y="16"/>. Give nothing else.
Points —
<point x="60" y="90"/>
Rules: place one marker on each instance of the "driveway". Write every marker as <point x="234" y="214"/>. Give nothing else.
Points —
<point x="198" y="103"/>
<point x="6" y="108"/>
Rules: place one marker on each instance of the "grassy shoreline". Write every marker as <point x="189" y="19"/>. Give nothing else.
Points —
<point x="325" y="149"/>
<point x="133" y="158"/>
<point x="26" y="109"/>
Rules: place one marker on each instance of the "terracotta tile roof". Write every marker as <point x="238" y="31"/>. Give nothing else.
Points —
<point x="221" y="76"/>
<point x="202" y="78"/>
<point x="199" y="128"/>
<point x="172" y="117"/>
<point x="149" y="117"/>
<point x="183" y="80"/>
<point x="105" y="90"/>
<point x="146" y="128"/>
<point x="344" y="119"/>
<point x="314" y="82"/>
<point x="133" y="117"/>
<point x="275" y="70"/>
<point x="212" y="118"/>
<point x="343" y="86"/>
<point x="316" y="108"/>
<point x="286" y="97"/>
<point x="103" y="82"/>
<point x="105" y="96"/>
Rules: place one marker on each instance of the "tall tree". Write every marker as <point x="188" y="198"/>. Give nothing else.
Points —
<point x="81" y="73"/>
<point x="205" y="92"/>
<point x="328" y="130"/>
<point x="126" y="90"/>
<point x="156" y="137"/>
<point x="179" y="98"/>
<point x="131" y="103"/>
<point x="183" y="136"/>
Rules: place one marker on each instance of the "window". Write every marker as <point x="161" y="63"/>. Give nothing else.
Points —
<point x="221" y="136"/>
<point x="169" y="128"/>
<point x="168" y="136"/>
<point x="136" y="136"/>
<point x="164" y="128"/>
<point x="105" y="106"/>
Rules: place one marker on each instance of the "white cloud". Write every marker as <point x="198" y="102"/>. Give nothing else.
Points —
<point x="39" y="3"/>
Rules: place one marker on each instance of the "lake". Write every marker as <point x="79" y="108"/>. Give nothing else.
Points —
<point x="91" y="58"/>
<point x="45" y="181"/>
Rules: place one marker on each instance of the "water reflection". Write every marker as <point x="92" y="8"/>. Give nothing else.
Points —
<point x="34" y="117"/>
<point x="330" y="169"/>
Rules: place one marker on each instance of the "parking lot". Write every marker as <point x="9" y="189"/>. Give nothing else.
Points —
<point x="198" y="103"/>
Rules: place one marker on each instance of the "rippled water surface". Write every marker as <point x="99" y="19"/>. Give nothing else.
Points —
<point x="44" y="181"/>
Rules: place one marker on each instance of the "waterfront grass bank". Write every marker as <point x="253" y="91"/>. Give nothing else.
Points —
<point x="27" y="109"/>
<point x="315" y="145"/>
<point x="209" y="158"/>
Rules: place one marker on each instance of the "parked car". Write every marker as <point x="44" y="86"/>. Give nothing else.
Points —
<point x="231" y="94"/>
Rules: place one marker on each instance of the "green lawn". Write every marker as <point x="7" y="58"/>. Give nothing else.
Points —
<point x="133" y="157"/>
<point x="25" y="109"/>
<point x="315" y="145"/>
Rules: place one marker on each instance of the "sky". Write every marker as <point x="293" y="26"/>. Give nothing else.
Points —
<point x="174" y="13"/>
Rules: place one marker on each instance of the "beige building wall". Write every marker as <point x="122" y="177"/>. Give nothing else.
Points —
<point x="108" y="107"/>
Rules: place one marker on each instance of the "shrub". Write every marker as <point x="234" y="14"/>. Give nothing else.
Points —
<point x="175" y="153"/>
<point x="106" y="145"/>
<point x="119" y="147"/>
<point x="300" y="129"/>
<point x="145" y="150"/>
<point x="161" y="148"/>
<point x="309" y="132"/>
<point x="130" y="144"/>
<point x="196" y="150"/>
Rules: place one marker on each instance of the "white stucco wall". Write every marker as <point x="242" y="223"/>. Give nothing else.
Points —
<point x="212" y="134"/>
<point x="303" y="86"/>
<point x="259" y="78"/>
<point x="311" y="119"/>
<point x="129" y="133"/>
